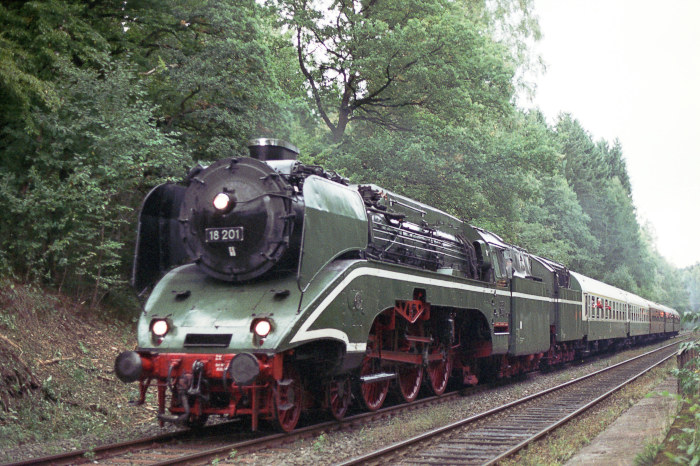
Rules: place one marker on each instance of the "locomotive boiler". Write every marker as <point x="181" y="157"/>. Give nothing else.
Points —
<point x="276" y="287"/>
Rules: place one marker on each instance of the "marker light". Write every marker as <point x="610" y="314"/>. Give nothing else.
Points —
<point x="159" y="327"/>
<point x="262" y="328"/>
<point x="221" y="201"/>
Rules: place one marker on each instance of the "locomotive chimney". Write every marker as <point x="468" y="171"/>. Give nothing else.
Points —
<point x="272" y="149"/>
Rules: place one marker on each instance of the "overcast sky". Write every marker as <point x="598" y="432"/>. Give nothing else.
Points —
<point x="630" y="70"/>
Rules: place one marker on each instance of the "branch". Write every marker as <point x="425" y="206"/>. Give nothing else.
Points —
<point x="4" y="338"/>
<point x="312" y="83"/>
<point x="184" y="101"/>
<point x="54" y="361"/>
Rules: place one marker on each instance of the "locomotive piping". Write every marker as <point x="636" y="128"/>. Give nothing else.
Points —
<point x="181" y="418"/>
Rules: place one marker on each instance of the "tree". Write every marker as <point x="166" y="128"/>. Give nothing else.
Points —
<point x="381" y="61"/>
<point x="96" y="156"/>
<point x="555" y="226"/>
<point x="210" y="67"/>
<point x="85" y="149"/>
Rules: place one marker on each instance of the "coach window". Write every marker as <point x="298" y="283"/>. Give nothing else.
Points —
<point x="595" y="307"/>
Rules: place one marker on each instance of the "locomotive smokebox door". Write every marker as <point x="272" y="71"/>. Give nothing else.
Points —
<point x="237" y="218"/>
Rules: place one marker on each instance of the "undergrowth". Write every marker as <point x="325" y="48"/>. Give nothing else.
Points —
<point x="58" y="389"/>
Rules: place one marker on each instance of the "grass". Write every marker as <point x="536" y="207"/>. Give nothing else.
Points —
<point x="648" y="455"/>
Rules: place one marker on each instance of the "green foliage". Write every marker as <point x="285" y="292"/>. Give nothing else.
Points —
<point x="691" y="283"/>
<point x="555" y="226"/>
<point x="648" y="455"/>
<point x="101" y="101"/>
<point x="210" y="69"/>
<point x="394" y="63"/>
<point x="88" y="129"/>
<point x="320" y="443"/>
<point x="598" y="175"/>
<point x="93" y="159"/>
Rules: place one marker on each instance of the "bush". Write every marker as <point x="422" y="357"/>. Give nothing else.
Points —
<point x="688" y="451"/>
<point x="68" y="217"/>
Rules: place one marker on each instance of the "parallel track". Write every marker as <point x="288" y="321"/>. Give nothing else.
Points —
<point x="491" y="436"/>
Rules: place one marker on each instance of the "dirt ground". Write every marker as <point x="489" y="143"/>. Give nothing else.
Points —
<point x="57" y="384"/>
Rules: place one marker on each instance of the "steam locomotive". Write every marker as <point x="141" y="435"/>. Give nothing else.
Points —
<point x="278" y="288"/>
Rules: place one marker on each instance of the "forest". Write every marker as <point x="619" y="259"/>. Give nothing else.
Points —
<point x="102" y="100"/>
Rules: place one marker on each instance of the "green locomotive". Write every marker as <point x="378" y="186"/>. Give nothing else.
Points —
<point x="300" y="292"/>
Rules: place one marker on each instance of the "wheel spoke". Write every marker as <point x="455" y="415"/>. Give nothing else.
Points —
<point x="339" y="397"/>
<point x="439" y="373"/>
<point x="372" y="394"/>
<point x="409" y="381"/>
<point x="288" y="399"/>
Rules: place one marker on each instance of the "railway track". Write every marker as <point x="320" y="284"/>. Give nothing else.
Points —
<point x="225" y="440"/>
<point x="219" y="440"/>
<point x="491" y="436"/>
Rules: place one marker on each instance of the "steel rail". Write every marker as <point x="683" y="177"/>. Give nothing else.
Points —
<point x="577" y="412"/>
<point x="72" y="457"/>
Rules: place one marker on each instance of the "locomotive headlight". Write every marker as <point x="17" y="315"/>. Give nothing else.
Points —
<point x="262" y="328"/>
<point x="159" y="327"/>
<point x="222" y="201"/>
